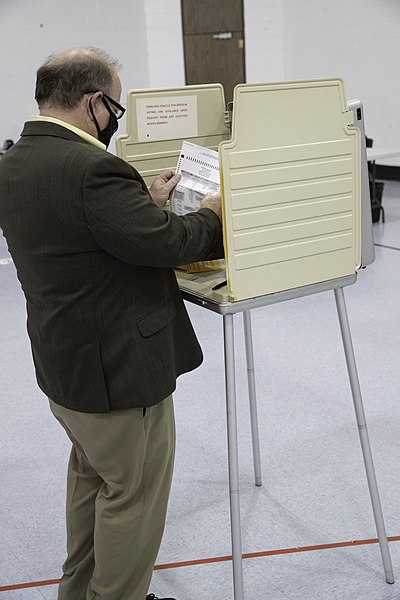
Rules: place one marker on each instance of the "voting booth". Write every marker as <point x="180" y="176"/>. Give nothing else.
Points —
<point x="295" y="209"/>
<point x="296" y="219"/>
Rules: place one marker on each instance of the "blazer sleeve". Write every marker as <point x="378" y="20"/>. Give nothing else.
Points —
<point x="126" y="223"/>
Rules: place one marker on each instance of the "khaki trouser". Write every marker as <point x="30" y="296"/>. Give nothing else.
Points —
<point x="119" y="477"/>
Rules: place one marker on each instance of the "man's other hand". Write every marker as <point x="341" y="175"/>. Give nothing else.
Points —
<point x="162" y="186"/>
<point x="214" y="203"/>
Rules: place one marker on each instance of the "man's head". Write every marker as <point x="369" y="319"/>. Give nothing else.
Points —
<point x="81" y="86"/>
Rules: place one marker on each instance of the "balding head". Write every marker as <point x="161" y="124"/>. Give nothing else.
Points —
<point x="65" y="77"/>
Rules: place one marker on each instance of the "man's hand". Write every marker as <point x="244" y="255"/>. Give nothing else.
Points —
<point x="214" y="203"/>
<point x="162" y="186"/>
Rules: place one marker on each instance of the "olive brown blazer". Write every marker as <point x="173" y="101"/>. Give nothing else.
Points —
<point x="95" y="257"/>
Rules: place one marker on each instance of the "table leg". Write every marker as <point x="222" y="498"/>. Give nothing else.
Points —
<point x="364" y="439"/>
<point x="233" y="460"/>
<point x="251" y="382"/>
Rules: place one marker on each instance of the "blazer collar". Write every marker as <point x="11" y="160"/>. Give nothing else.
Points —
<point x="46" y="128"/>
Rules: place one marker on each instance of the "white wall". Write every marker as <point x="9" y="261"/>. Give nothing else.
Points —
<point x="358" y="41"/>
<point x="165" y="43"/>
<point x="285" y="39"/>
<point x="144" y="35"/>
<point x="30" y="30"/>
<point x="263" y="23"/>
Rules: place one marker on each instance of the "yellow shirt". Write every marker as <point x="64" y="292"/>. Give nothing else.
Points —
<point x="85" y="136"/>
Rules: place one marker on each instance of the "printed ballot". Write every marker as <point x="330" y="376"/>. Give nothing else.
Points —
<point x="199" y="171"/>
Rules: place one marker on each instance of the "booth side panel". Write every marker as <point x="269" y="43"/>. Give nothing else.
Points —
<point x="367" y="238"/>
<point x="291" y="216"/>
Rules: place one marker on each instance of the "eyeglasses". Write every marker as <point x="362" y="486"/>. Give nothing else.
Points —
<point x="120" y="110"/>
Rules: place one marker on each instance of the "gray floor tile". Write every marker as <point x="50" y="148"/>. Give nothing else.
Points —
<point x="370" y="554"/>
<point x="328" y="574"/>
<point x="12" y="572"/>
<point x="5" y="551"/>
<point x="213" y="581"/>
<point x="49" y="592"/>
<point x="24" y="594"/>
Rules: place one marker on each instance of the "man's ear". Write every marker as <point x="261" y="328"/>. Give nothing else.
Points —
<point x="94" y="101"/>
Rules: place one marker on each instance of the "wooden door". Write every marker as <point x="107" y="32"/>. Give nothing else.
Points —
<point x="213" y="37"/>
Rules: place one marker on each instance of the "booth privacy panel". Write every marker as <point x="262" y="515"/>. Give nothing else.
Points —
<point x="291" y="187"/>
<point x="158" y="120"/>
<point x="367" y="237"/>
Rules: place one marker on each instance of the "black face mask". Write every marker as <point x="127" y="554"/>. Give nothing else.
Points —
<point x="105" y="134"/>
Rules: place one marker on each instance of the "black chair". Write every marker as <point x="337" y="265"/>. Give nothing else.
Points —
<point x="375" y="188"/>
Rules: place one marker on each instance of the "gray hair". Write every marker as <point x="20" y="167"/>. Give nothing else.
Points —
<point x="65" y="77"/>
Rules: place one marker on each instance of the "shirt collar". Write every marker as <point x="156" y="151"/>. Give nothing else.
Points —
<point x="85" y="136"/>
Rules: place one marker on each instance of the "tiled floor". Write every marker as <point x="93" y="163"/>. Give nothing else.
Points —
<point x="314" y="489"/>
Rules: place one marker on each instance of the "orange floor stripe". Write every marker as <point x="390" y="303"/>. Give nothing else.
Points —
<point x="21" y="586"/>
<point x="203" y="561"/>
<point x="216" y="559"/>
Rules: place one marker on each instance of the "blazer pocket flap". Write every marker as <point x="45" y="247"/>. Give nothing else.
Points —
<point x="156" y="319"/>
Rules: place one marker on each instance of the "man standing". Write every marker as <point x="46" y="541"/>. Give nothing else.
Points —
<point x="94" y="253"/>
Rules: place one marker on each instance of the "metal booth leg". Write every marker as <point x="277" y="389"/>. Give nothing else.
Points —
<point x="233" y="461"/>
<point x="251" y="382"/>
<point x="362" y="428"/>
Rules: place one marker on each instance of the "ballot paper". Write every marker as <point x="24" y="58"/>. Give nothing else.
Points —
<point x="199" y="171"/>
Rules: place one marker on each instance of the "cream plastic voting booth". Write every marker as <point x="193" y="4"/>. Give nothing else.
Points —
<point x="296" y="220"/>
<point x="296" y="201"/>
<point x="292" y="187"/>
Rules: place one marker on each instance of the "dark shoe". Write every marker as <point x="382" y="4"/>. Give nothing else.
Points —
<point x="153" y="597"/>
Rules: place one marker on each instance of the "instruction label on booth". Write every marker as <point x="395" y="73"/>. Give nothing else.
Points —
<point x="163" y="118"/>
